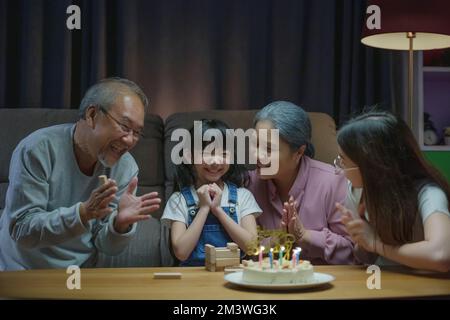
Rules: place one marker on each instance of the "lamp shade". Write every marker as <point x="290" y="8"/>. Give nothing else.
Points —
<point x="428" y="19"/>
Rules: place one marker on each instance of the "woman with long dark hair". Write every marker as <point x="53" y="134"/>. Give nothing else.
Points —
<point x="397" y="203"/>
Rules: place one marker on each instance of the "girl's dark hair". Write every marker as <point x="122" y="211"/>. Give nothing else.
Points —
<point x="185" y="175"/>
<point x="393" y="170"/>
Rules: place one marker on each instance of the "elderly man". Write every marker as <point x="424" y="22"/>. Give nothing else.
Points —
<point x="57" y="213"/>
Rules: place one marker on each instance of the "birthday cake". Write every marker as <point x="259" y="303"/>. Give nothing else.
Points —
<point x="287" y="273"/>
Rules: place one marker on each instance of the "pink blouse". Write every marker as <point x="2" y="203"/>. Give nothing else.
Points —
<point x="317" y="188"/>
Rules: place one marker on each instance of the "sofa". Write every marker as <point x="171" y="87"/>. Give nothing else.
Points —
<point x="150" y="246"/>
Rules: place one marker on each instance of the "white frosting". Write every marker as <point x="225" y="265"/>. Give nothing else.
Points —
<point x="301" y="273"/>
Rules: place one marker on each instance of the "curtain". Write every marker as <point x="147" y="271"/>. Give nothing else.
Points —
<point x="196" y="54"/>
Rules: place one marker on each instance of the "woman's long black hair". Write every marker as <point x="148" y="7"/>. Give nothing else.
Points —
<point x="393" y="170"/>
<point x="185" y="175"/>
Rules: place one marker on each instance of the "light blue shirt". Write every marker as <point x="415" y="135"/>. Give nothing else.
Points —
<point x="40" y="226"/>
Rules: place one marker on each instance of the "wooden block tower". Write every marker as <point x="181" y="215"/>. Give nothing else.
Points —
<point x="216" y="259"/>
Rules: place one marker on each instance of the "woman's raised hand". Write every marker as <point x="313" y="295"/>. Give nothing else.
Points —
<point x="291" y="220"/>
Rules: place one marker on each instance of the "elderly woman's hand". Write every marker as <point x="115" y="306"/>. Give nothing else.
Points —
<point x="291" y="220"/>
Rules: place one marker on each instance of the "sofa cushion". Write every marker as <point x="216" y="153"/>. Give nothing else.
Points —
<point x="149" y="152"/>
<point x="149" y="249"/>
<point x="323" y="136"/>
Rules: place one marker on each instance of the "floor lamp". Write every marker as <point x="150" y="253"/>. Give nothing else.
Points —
<point x="407" y="25"/>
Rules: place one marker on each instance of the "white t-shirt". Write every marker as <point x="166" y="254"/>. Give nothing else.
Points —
<point x="176" y="208"/>
<point x="432" y="199"/>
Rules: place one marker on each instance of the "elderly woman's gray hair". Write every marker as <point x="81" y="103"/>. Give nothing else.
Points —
<point x="292" y="122"/>
<point x="105" y="93"/>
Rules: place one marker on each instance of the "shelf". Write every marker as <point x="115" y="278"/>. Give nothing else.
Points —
<point x="436" y="69"/>
<point x="433" y="97"/>
<point x="436" y="148"/>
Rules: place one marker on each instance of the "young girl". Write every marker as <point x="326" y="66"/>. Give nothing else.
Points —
<point x="399" y="203"/>
<point x="211" y="207"/>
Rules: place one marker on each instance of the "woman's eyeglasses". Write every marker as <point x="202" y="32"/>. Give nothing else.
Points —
<point x="339" y="165"/>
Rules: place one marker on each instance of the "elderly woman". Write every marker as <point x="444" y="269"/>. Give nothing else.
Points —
<point x="301" y="196"/>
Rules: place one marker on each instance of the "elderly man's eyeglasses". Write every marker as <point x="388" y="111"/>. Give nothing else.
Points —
<point x="123" y="127"/>
<point x="339" y="165"/>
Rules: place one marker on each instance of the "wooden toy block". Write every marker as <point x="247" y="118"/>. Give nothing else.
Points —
<point x="227" y="262"/>
<point x="210" y="251"/>
<point x="103" y="179"/>
<point x="210" y="267"/>
<point x="219" y="258"/>
<point x="167" y="275"/>
<point x="224" y="253"/>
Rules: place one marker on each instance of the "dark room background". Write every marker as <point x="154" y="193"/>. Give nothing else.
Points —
<point x="196" y="54"/>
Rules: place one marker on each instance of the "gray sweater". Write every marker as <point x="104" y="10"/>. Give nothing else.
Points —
<point x="40" y="226"/>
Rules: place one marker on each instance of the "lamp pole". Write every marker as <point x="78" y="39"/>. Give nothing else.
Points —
<point x="410" y="36"/>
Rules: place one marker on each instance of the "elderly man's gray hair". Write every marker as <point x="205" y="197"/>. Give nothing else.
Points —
<point x="105" y="93"/>
<point x="292" y="122"/>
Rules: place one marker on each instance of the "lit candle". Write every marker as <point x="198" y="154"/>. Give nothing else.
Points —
<point x="271" y="258"/>
<point x="298" y="250"/>
<point x="294" y="256"/>
<point x="281" y="257"/>
<point x="261" y="249"/>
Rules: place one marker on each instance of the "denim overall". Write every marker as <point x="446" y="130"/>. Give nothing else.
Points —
<point x="213" y="232"/>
